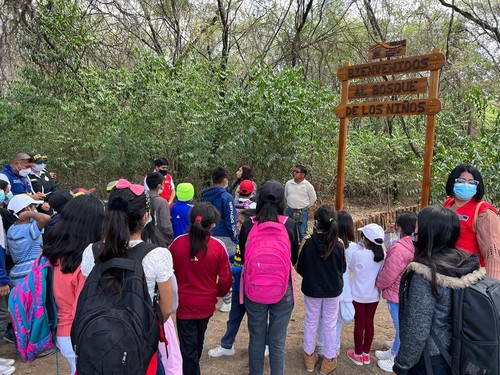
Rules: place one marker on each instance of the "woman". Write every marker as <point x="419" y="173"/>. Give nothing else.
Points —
<point x="479" y="226"/>
<point x="425" y="298"/>
<point x="203" y="274"/>
<point x="269" y="319"/>
<point x="243" y="173"/>
<point x="80" y="224"/>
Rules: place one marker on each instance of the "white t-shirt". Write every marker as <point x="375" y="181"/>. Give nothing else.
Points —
<point x="365" y="271"/>
<point x="158" y="265"/>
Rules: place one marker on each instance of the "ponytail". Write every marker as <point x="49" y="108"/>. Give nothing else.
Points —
<point x="377" y="249"/>
<point x="202" y="216"/>
<point x="326" y="217"/>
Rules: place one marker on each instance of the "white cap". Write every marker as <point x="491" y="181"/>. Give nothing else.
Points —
<point x="374" y="233"/>
<point x="21" y="201"/>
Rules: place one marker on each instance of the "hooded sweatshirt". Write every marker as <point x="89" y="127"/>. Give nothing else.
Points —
<point x="419" y="311"/>
<point x="223" y="201"/>
<point x="322" y="277"/>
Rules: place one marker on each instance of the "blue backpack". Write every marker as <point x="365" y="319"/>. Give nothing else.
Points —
<point x="33" y="311"/>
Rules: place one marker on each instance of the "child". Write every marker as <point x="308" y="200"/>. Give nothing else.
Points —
<point x="398" y="257"/>
<point x="180" y="209"/>
<point x="322" y="264"/>
<point x="203" y="274"/>
<point x="245" y="193"/>
<point x="24" y="238"/>
<point x="365" y="263"/>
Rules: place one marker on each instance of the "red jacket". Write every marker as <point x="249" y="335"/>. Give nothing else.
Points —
<point x="200" y="282"/>
<point x="167" y="187"/>
<point x="467" y="239"/>
<point x="398" y="257"/>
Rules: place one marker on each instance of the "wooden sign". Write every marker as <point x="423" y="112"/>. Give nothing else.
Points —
<point x="390" y="49"/>
<point x="389" y="88"/>
<point x="390" y="108"/>
<point x="397" y="66"/>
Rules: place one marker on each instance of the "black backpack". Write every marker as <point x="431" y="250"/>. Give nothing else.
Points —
<point x="116" y="334"/>
<point x="475" y="346"/>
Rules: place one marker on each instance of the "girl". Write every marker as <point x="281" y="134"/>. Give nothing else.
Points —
<point x="244" y="172"/>
<point x="80" y="224"/>
<point x="398" y="257"/>
<point x="365" y="264"/>
<point x="128" y="213"/>
<point x="426" y="293"/>
<point x="321" y="264"/>
<point x="203" y="274"/>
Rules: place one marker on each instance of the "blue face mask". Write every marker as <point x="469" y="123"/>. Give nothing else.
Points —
<point x="39" y="167"/>
<point x="464" y="191"/>
<point x="10" y="195"/>
<point x="2" y="196"/>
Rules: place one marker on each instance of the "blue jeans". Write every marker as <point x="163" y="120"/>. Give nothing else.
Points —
<point x="233" y="323"/>
<point x="394" y="311"/>
<point x="302" y="227"/>
<point x="275" y="329"/>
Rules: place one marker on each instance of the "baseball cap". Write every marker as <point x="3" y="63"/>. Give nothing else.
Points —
<point x="374" y="233"/>
<point x="272" y="191"/>
<point x="39" y="157"/>
<point x="246" y="187"/>
<point x="185" y="191"/>
<point x="20" y="202"/>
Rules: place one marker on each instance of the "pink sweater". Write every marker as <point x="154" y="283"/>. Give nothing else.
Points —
<point x="67" y="288"/>
<point x="398" y="257"/>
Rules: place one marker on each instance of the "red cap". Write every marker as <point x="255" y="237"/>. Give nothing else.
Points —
<point x="246" y="187"/>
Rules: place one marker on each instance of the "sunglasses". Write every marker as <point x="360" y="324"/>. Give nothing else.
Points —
<point x="29" y="160"/>
<point x="464" y="181"/>
<point x="297" y="171"/>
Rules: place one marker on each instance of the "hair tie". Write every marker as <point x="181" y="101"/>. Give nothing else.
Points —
<point x="330" y="219"/>
<point x="198" y="218"/>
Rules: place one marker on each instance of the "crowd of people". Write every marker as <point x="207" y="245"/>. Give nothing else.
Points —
<point x="243" y="243"/>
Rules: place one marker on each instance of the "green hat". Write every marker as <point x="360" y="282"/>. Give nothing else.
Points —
<point x="185" y="192"/>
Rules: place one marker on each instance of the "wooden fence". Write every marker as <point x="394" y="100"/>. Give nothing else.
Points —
<point x="384" y="218"/>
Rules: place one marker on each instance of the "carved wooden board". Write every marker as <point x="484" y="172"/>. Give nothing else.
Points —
<point x="388" y="88"/>
<point x="389" y="49"/>
<point x="391" y="108"/>
<point x="403" y="65"/>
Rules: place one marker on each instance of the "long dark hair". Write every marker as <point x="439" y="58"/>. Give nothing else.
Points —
<point x="202" y="216"/>
<point x="246" y="174"/>
<point x="378" y="250"/>
<point x="345" y="226"/>
<point x="457" y="171"/>
<point x="80" y="224"/>
<point x="326" y="218"/>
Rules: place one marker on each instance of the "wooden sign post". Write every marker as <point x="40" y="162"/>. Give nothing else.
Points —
<point x="429" y="106"/>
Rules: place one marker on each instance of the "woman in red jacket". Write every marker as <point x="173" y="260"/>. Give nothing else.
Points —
<point x="479" y="226"/>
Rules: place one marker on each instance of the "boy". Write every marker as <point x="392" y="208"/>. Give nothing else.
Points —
<point x="180" y="209"/>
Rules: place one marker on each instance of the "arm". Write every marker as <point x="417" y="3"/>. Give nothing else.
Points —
<point x="300" y="262"/>
<point x="172" y="194"/>
<point x="312" y="194"/>
<point x="293" y="234"/>
<point x="393" y="266"/>
<point x="488" y="239"/>
<point x="242" y="240"/>
<point x="41" y="219"/>
<point x="163" y="220"/>
<point x="166" y="300"/>
<point x="225" y="278"/>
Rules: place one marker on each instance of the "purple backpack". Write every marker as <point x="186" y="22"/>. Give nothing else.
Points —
<point x="267" y="265"/>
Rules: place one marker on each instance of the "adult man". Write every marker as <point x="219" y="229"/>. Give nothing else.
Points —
<point x="168" y="190"/>
<point x="299" y="195"/>
<point x="159" y="206"/>
<point x="40" y="178"/>
<point x="16" y="175"/>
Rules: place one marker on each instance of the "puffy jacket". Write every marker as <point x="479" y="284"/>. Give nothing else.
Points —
<point x="224" y="203"/>
<point x="397" y="259"/>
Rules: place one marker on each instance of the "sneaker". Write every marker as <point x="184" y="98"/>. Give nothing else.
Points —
<point x="388" y="344"/>
<point x="386" y="364"/>
<point x="9" y="336"/>
<point x="7" y="370"/>
<point x="310" y="361"/>
<point x="266" y="351"/>
<point x="46" y="353"/>
<point x="220" y="351"/>
<point x="384" y="354"/>
<point x="328" y="366"/>
<point x="366" y="359"/>
<point x="226" y="307"/>
<point x="357" y="359"/>
<point x="6" y="362"/>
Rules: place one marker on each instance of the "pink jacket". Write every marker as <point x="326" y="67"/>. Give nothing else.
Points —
<point x="398" y="257"/>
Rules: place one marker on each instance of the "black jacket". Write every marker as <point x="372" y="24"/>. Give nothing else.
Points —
<point x="321" y="277"/>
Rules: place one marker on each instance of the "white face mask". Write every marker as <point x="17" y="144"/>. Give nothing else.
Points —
<point x="24" y="172"/>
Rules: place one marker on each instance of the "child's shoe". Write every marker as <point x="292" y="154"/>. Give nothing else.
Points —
<point x="310" y="361"/>
<point x="384" y="354"/>
<point x="327" y="366"/>
<point x="357" y="359"/>
<point x="386" y="364"/>
<point x="366" y="358"/>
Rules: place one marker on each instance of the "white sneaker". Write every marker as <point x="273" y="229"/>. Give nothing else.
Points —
<point x="386" y="364"/>
<point x="266" y="351"/>
<point x="6" y="362"/>
<point x="7" y="370"/>
<point x="388" y="344"/>
<point x="220" y="351"/>
<point x="384" y="354"/>
<point x="226" y="307"/>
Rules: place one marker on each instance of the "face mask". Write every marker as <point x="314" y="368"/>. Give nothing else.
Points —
<point x="2" y="196"/>
<point x="160" y="191"/>
<point x="398" y="235"/>
<point x="361" y="243"/>
<point x="24" y="172"/>
<point x="39" y="167"/>
<point x="149" y="220"/>
<point x="464" y="191"/>
<point x="10" y="195"/>
<point x="163" y="172"/>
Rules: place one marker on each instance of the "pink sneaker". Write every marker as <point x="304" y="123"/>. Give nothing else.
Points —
<point x="357" y="359"/>
<point x="366" y="358"/>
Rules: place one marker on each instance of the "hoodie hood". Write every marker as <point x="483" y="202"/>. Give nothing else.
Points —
<point x="212" y="193"/>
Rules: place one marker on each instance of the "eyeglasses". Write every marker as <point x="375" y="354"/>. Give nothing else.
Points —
<point x="29" y="160"/>
<point x="464" y="181"/>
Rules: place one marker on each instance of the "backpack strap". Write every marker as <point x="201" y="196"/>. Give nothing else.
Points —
<point x="139" y="251"/>
<point x="96" y="249"/>
<point x="441" y="348"/>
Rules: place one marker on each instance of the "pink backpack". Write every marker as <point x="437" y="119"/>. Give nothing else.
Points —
<point x="267" y="265"/>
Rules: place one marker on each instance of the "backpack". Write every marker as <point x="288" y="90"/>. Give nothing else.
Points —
<point x="116" y="334"/>
<point x="475" y="348"/>
<point x="33" y="311"/>
<point x="267" y="265"/>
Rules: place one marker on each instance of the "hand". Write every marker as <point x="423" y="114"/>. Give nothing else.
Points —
<point x="46" y="206"/>
<point x="4" y="290"/>
<point x="53" y="175"/>
<point x="38" y="196"/>
<point x="390" y="228"/>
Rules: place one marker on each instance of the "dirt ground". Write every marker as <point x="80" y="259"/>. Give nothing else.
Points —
<point x="238" y="364"/>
